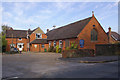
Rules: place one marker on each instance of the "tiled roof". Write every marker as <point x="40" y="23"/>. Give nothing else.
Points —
<point x="17" y="33"/>
<point x="39" y="41"/>
<point x="115" y="35"/>
<point x="69" y="31"/>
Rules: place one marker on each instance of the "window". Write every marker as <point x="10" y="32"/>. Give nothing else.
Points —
<point x="49" y="43"/>
<point x="20" y="39"/>
<point x="93" y="25"/>
<point x="12" y="45"/>
<point x="42" y="46"/>
<point x="38" y="35"/>
<point x="54" y="44"/>
<point x="81" y="43"/>
<point x="35" y="46"/>
<point x="20" y="45"/>
<point x="60" y="43"/>
<point x="94" y="35"/>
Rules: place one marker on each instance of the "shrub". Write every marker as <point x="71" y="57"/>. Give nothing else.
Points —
<point x="50" y="49"/>
<point x="76" y="46"/>
<point x="57" y="48"/>
<point x="72" y="45"/>
<point x="67" y="48"/>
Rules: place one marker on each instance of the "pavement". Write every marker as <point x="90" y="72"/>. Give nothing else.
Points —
<point x="96" y="59"/>
<point x="49" y="65"/>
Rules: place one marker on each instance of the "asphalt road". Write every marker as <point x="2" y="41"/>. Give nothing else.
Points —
<point x="47" y="65"/>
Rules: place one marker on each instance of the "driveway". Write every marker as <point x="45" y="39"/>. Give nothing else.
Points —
<point x="47" y="65"/>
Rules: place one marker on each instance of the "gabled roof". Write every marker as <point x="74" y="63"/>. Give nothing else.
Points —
<point x="115" y="35"/>
<point x="17" y="33"/>
<point x="38" y="29"/>
<point x="69" y="31"/>
<point x="20" y="33"/>
<point x="39" y="41"/>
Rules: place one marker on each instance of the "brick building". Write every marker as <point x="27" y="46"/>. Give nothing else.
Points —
<point x="28" y="40"/>
<point x="85" y="33"/>
<point x="113" y="37"/>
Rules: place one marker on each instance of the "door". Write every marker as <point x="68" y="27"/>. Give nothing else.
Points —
<point x="20" y="46"/>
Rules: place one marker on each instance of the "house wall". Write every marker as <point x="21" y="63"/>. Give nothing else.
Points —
<point x="15" y="41"/>
<point x="63" y="42"/>
<point x="33" y="36"/>
<point x="85" y="34"/>
<point x="39" y="47"/>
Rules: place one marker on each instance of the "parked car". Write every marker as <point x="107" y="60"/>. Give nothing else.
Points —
<point x="15" y="50"/>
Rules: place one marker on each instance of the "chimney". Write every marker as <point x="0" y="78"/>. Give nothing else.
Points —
<point x="29" y="29"/>
<point x="92" y="13"/>
<point x="109" y="35"/>
<point x="47" y="30"/>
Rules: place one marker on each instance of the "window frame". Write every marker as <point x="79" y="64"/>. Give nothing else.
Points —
<point x="54" y="43"/>
<point x="49" y="43"/>
<point x="39" y="35"/>
<point x="94" y="35"/>
<point x="60" y="43"/>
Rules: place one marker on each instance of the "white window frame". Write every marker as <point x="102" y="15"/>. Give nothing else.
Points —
<point x="38" y="34"/>
<point x="60" y="42"/>
<point x="49" y="43"/>
<point x="20" y="44"/>
<point x="54" y="44"/>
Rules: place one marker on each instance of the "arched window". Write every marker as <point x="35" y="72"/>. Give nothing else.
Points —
<point x="94" y="35"/>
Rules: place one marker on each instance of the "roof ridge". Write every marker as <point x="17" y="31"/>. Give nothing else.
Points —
<point x="70" y="23"/>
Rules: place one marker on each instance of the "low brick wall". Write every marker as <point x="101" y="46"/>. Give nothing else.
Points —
<point x="107" y="49"/>
<point x="77" y="53"/>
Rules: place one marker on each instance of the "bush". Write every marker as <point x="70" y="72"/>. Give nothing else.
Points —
<point x="76" y="46"/>
<point x="50" y="49"/>
<point x="72" y="45"/>
<point x="57" y="48"/>
<point x="67" y="48"/>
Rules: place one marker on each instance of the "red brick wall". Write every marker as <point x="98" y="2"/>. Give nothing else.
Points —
<point x="15" y="40"/>
<point x="38" y="48"/>
<point x="32" y="37"/>
<point x="85" y="34"/>
<point x="44" y="36"/>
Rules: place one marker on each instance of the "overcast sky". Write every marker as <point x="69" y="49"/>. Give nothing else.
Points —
<point x="25" y="15"/>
